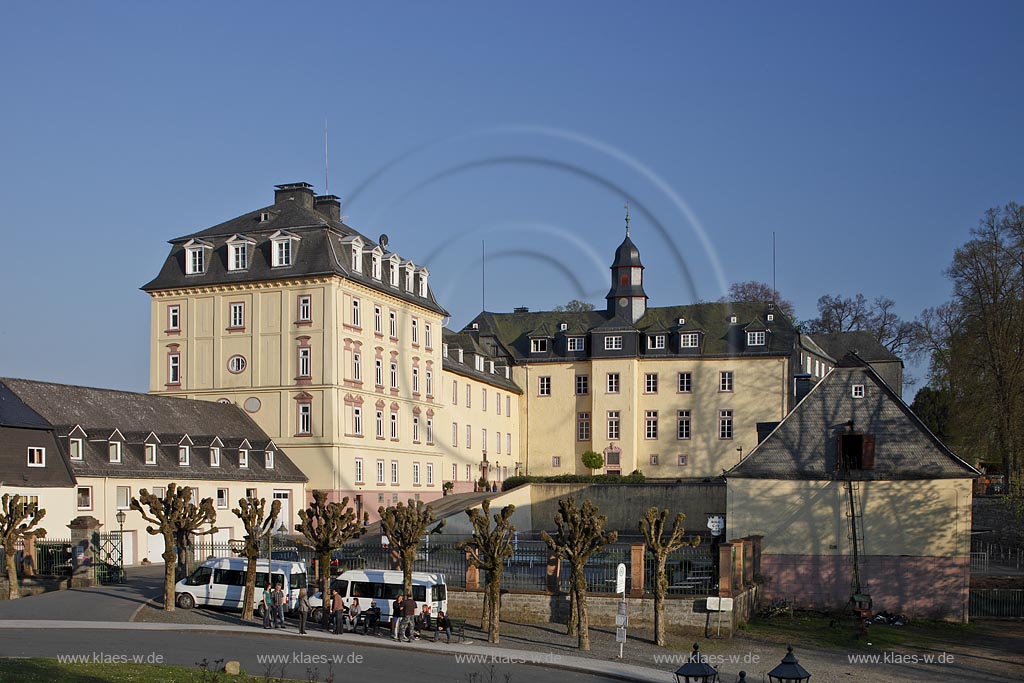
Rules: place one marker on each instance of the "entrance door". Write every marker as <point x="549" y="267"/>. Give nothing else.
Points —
<point x="284" y="520"/>
<point x="128" y="548"/>
<point x="155" y="548"/>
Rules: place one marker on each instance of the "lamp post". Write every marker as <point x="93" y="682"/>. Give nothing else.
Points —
<point x="789" y="670"/>
<point x="696" y="670"/>
<point x="121" y="517"/>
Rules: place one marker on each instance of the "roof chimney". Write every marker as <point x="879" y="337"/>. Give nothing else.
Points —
<point x="329" y="205"/>
<point x="521" y="309"/>
<point x="300" y="193"/>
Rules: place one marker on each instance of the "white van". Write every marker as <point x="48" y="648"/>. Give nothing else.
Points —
<point x="384" y="585"/>
<point x="221" y="582"/>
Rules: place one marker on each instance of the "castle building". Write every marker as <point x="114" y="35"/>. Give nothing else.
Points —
<point x="332" y="342"/>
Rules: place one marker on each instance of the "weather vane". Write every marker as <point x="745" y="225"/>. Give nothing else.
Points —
<point x="627" y="219"/>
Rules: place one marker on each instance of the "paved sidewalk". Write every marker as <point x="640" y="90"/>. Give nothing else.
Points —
<point x="114" y="602"/>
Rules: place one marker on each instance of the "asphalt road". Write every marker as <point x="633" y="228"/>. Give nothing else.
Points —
<point x="297" y="657"/>
<point x="103" y="603"/>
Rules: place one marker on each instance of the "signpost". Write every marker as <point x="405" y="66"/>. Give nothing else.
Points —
<point x="621" y="616"/>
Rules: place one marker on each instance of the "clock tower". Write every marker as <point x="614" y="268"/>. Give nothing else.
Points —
<point x="626" y="298"/>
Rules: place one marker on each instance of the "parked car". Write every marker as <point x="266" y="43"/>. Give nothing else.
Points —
<point x="383" y="585"/>
<point x="221" y="583"/>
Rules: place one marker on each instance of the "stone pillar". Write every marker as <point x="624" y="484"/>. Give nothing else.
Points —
<point x="83" y="529"/>
<point x="755" y="562"/>
<point x="725" y="570"/>
<point x="748" y="562"/>
<point x="554" y="571"/>
<point x="637" y="565"/>
<point x="472" y="575"/>
<point x="738" y="578"/>
<point x="28" y="562"/>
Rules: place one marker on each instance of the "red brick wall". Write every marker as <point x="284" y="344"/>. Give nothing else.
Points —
<point x="932" y="587"/>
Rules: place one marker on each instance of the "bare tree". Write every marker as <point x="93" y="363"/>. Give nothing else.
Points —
<point x="17" y="517"/>
<point x="489" y="548"/>
<point x="405" y="526"/>
<point x="574" y="306"/>
<point x="177" y="519"/>
<point x="325" y="527"/>
<point x="838" y="314"/>
<point x="580" y="533"/>
<point x="652" y="526"/>
<point x="761" y="292"/>
<point x="252" y="512"/>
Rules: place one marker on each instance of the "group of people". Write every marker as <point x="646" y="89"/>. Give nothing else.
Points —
<point x="411" y="624"/>
<point x="406" y="624"/>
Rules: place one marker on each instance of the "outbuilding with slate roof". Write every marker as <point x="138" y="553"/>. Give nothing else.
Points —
<point x="103" y="446"/>
<point x="853" y="494"/>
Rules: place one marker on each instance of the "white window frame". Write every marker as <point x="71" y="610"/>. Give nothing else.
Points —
<point x="283" y="255"/>
<point x="544" y="386"/>
<point x="378" y="320"/>
<point x="36" y="456"/>
<point x="305" y="425"/>
<point x="684" y="383"/>
<point x="214" y="456"/>
<point x="394" y="473"/>
<point x="614" y="427"/>
<point x="656" y="342"/>
<point x="78" y="496"/>
<point x="756" y="338"/>
<point x="174" y="368"/>
<point x="243" y="458"/>
<point x="469" y="437"/>
<point x="379" y="424"/>
<point x="428" y="337"/>
<point x="268" y="460"/>
<point x="174" y="318"/>
<point x="376" y="266"/>
<point x="416" y="428"/>
<point x="612" y="383"/>
<point x="184" y="455"/>
<point x="195" y="261"/>
<point x="508" y="443"/>
<point x="430" y="383"/>
<point x="394" y="374"/>
<point x="378" y="372"/>
<point x="357" y="317"/>
<point x="726" y="381"/>
<point x="357" y="420"/>
<point x="415" y="474"/>
<point x="556" y="461"/>
<point x="574" y="344"/>
<point x="305" y="308"/>
<point x="416" y="380"/>
<point x="415" y="325"/>
<point x="430" y="474"/>
<point x="857" y="391"/>
<point x="114" y="451"/>
<point x="75" y="449"/>
<point x="305" y="362"/>
<point x="394" y="425"/>
<point x="359" y="471"/>
<point x="393" y="324"/>
<point x="650" y="383"/>
<point x="430" y="432"/>
<point x="223" y="501"/>
<point x="683" y="425"/>
<point x="613" y="342"/>
<point x="238" y="256"/>
<point x="582" y="427"/>
<point x="651" y="424"/>
<point x="357" y="367"/>
<point x="538" y="346"/>
<point x="381" y="477"/>
<point x="689" y="340"/>
<point x="236" y="315"/>
<point x="726" y="424"/>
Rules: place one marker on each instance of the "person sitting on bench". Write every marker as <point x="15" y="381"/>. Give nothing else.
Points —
<point x="444" y="625"/>
<point x="423" y="622"/>
<point x="369" y="618"/>
<point x="351" y="614"/>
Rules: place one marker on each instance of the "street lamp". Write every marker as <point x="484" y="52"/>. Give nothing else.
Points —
<point x="120" y="517"/>
<point x="789" y="670"/>
<point x="696" y="670"/>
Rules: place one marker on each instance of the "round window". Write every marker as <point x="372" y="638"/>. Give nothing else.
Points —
<point x="236" y="364"/>
<point x="252" y="404"/>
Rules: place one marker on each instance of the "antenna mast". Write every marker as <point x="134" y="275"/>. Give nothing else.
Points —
<point x="775" y="292"/>
<point x="483" y="276"/>
<point x="327" y="185"/>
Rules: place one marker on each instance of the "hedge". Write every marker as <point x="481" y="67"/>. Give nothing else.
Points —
<point x="635" y="477"/>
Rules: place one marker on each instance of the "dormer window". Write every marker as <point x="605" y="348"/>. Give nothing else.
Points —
<point x="732" y="319"/>
<point x="214" y="456"/>
<point x="858" y="391"/>
<point x="756" y="338"/>
<point x="36" y="456"/>
<point x="114" y="451"/>
<point x="183" y="455"/>
<point x="357" y="259"/>
<point x="282" y="245"/>
<point x="195" y="256"/>
<point x="689" y="340"/>
<point x="243" y="458"/>
<point x="408" y="276"/>
<point x="150" y="453"/>
<point x="613" y="342"/>
<point x="268" y="460"/>
<point x="75" y="449"/>
<point x="393" y="271"/>
<point x="479" y="362"/>
<point x="238" y="253"/>
<point x="771" y="317"/>
<point x="376" y="266"/>
<point x="563" y="326"/>
<point x="656" y="341"/>
<point x="423" y="282"/>
<point x="538" y="346"/>
<point x="264" y="216"/>
<point x="574" y="343"/>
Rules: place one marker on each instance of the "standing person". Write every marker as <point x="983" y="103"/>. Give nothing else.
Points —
<point x="408" y="618"/>
<point x="278" y="607"/>
<point x="268" y="605"/>
<point x="303" y="610"/>
<point x="396" y="616"/>
<point x="337" y="611"/>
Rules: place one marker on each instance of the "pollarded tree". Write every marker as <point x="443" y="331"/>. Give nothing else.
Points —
<point x="405" y="526"/>
<point x="580" y="533"/>
<point x="325" y="527"/>
<point x="652" y="526"/>
<point x="177" y="519"/>
<point x="252" y="512"/>
<point x="16" y="521"/>
<point x="489" y="548"/>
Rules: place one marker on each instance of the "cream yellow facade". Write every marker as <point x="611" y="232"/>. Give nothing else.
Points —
<point x="925" y="518"/>
<point x="481" y="431"/>
<point x="366" y="364"/>
<point x="644" y="390"/>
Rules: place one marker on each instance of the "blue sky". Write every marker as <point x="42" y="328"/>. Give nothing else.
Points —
<point x="869" y="137"/>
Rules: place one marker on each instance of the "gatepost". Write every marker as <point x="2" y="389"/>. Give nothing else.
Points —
<point x="83" y="557"/>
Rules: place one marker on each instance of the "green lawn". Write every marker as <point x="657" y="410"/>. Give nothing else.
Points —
<point x="843" y="634"/>
<point x="40" y="670"/>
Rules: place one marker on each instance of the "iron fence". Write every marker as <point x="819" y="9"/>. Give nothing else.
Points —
<point x="527" y="569"/>
<point x="600" y="569"/>
<point x="997" y="602"/>
<point x="55" y="557"/>
<point x="690" y="571"/>
<point x="979" y="563"/>
<point x="999" y="555"/>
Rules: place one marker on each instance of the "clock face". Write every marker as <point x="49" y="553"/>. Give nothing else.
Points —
<point x="623" y="302"/>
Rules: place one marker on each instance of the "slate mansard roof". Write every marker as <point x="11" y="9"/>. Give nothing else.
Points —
<point x="323" y="249"/>
<point x="21" y="428"/>
<point x="470" y="347"/>
<point x="719" y="336"/>
<point x="803" y="445"/>
<point x="137" y="418"/>
<point x="860" y="342"/>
